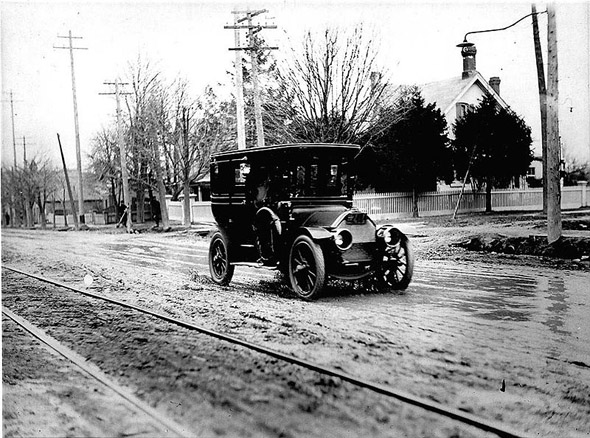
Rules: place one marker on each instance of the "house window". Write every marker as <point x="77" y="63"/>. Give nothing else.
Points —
<point x="531" y="171"/>
<point x="463" y="108"/>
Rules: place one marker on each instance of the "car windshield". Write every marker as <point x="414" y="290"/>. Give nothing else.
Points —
<point x="319" y="178"/>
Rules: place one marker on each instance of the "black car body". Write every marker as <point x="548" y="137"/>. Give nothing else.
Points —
<point x="290" y="207"/>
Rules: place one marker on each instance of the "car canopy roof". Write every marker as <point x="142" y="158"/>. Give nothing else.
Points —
<point x="294" y="149"/>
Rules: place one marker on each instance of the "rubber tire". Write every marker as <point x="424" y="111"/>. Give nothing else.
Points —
<point x="314" y="251"/>
<point x="407" y="276"/>
<point x="224" y="275"/>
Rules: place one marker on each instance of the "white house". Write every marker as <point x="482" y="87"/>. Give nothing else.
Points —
<point x="457" y="95"/>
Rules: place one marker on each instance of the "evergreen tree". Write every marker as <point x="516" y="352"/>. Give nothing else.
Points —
<point x="493" y="144"/>
<point x="413" y="153"/>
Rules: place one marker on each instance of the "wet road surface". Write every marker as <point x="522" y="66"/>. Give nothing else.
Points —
<point x="502" y="341"/>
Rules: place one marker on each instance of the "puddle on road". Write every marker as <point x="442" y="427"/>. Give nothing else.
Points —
<point x="146" y="256"/>
<point x="159" y="252"/>
<point x="524" y="300"/>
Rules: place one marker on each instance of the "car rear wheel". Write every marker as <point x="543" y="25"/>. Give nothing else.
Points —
<point x="307" y="269"/>
<point x="219" y="266"/>
<point x="397" y="266"/>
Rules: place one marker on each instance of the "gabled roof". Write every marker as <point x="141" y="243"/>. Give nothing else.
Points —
<point x="447" y="93"/>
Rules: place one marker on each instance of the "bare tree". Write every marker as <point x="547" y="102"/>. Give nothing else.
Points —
<point x="204" y="129"/>
<point x="331" y="91"/>
<point x="105" y="162"/>
<point x="144" y="80"/>
<point x="45" y="177"/>
<point x="11" y="208"/>
<point x="160" y="126"/>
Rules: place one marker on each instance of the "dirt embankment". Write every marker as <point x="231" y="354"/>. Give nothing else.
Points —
<point x="509" y="234"/>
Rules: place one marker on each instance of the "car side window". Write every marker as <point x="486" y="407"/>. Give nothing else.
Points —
<point x="314" y="176"/>
<point x="299" y="181"/>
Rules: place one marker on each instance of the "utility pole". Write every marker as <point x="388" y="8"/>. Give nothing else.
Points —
<point x="122" y="152"/>
<point x="24" y="151"/>
<point x="553" y="147"/>
<point x="12" y="204"/>
<point x="542" y="100"/>
<point x="252" y="30"/>
<point x="239" y="87"/>
<point x="255" y="86"/>
<point x="28" y="175"/>
<point x="186" y="219"/>
<point x="63" y="161"/>
<point x="13" y="136"/>
<point x="71" y="48"/>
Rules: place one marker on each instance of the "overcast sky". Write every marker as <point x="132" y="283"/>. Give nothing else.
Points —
<point x="187" y="39"/>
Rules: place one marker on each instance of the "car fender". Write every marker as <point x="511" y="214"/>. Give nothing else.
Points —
<point x="265" y="211"/>
<point x="317" y="233"/>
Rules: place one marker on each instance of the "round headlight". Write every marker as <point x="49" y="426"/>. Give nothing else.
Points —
<point x="390" y="236"/>
<point x="387" y="236"/>
<point x="343" y="239"/>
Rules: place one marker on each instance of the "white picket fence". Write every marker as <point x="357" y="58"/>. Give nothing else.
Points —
<point x="200" y="211"/>
<point x="396" y="205"/>
<point x="392" y="205"/>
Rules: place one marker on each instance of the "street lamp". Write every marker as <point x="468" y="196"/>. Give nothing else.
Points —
<point x="549" y="121"/>
<point x="466" y="43"/>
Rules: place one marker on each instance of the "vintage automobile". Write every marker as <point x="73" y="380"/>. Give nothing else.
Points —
<point x="289" y="207"/>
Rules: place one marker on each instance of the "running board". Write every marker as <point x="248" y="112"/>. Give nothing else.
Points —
<point x="254" y="265"/>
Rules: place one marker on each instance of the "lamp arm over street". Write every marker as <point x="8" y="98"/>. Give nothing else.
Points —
<point x="465" y="43"/>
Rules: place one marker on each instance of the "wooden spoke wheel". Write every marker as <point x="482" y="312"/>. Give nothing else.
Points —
<point x="397" y="265"/>
<point x="307" y="269"/>
<point x="219" y="267"/>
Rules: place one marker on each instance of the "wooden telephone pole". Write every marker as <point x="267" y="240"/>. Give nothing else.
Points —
<point x="12" y="118"/>
<point x="122" y="153"/>
<point x="542" y="100"/>
<point x="73" y="205"/>
<point x="252" y="30"/>
<point x="71" y="48"/>
<point x="554" y="228"/>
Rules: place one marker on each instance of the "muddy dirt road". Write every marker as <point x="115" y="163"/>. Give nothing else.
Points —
<point x="501" y="341"/>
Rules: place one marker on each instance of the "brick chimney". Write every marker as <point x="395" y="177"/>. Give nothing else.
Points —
<point x="495" y="84"/>
<point x="468" y="54"/>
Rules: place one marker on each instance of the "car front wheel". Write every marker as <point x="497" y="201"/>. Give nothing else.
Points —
<point x="397" y="265"/>
<point x="307" y="269"/>
<point x="219" y="267"/>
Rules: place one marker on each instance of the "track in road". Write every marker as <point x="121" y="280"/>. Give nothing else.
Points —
<point x="445" y="411"/>
<point x="167" y="426"/>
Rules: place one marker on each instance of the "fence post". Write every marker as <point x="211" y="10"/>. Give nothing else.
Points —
<point x="583" y="185"/>
<point x="193" y="200"/>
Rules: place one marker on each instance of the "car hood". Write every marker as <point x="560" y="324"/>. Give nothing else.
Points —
<point x="318" y="217"/>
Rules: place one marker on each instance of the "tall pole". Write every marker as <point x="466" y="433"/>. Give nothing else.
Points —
<point x="252" y="30"/>
<point x="123" y="154"/>
<point x="256" y="87"/>
<point x="77" y="132"/>
<point x="553" y="147"/>
<point x="13" y="136"/>
<point x="76" y="126"/>
<point x="239" y="90"/>
<point x="24" y="151"/>
<point x="186" y="219"/>
<point x="542" y="100"/>
<point x="13" y="208"/>
<point x="63" y="161"/>
<point x="588" y="76"/>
